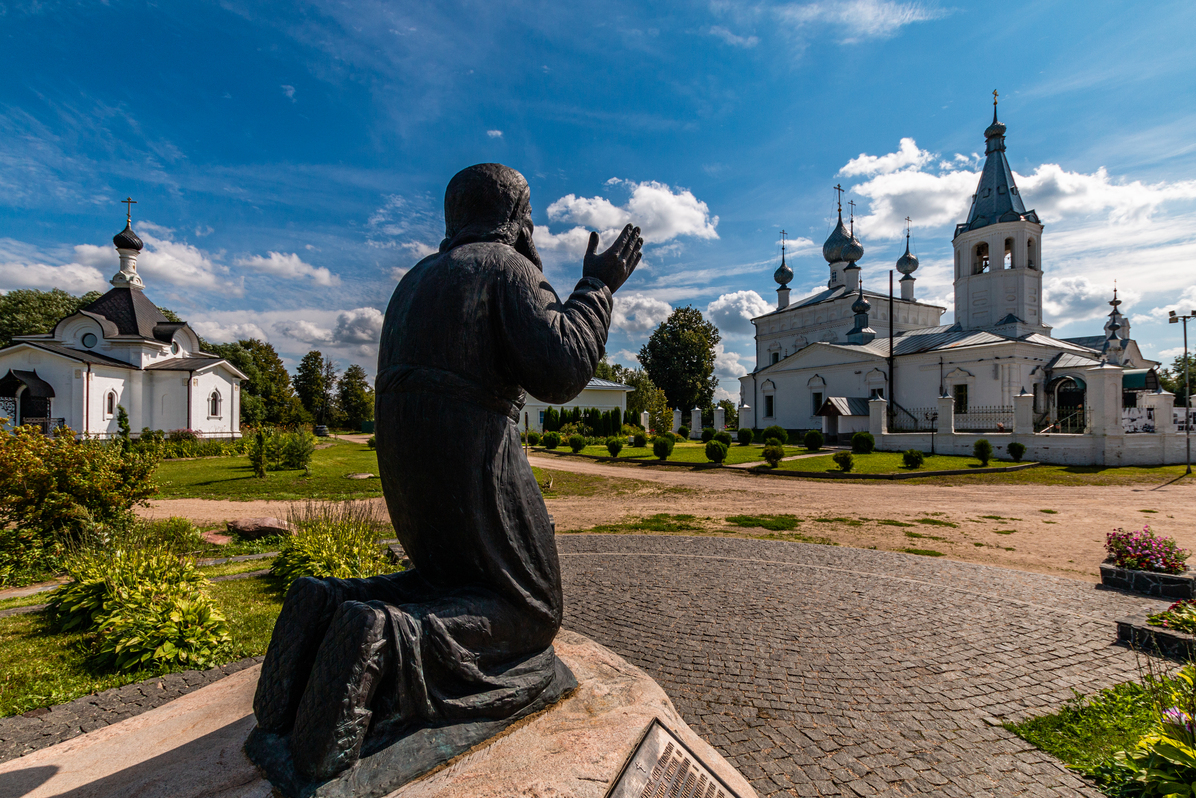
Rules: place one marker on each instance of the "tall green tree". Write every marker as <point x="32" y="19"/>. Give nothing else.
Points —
<point x="32" y="312"/>
<point x="355" y="397"/>
<point x="730" y="413"/>
<point x="309" y="383"/>
<point x="266" y="395"/>
<point x="645" y="390"/>
<point x="679" y="358"/>
<point x="1172" y="378"/>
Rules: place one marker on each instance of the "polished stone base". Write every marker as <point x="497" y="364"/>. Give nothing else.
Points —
<point x="407" y="758"/>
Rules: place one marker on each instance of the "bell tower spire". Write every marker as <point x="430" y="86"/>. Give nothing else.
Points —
<point x="129" y="246"/>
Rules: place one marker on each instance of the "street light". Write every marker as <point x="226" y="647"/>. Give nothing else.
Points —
<point x="1172" y="318"/>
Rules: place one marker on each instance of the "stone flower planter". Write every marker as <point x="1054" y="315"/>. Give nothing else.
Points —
<point x="1149" y="583"/>
<point x="1139" y="635"/>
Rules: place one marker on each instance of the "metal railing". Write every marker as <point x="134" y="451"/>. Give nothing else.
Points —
<point x="47" y="425"/>
<point x="985" y="418"/>
<point x="914" y="419"/>
<point x="1069" y="421"/>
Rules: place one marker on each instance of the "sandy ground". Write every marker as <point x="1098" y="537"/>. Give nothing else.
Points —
<point x="1069" y="542"/>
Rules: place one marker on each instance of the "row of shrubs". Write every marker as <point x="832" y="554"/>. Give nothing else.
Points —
<point x="179" y="443"/>
<point x="274" y="449"/>
<point x="592" y="422"/>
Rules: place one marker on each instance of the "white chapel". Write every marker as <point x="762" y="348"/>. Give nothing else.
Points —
<point x="848" y="359"/>
<point x="119" y="351"/>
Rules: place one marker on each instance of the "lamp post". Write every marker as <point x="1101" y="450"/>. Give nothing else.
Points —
<point x="1173" y="318"/>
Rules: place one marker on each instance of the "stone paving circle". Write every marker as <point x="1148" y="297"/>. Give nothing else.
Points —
<point x="816" y="670"/>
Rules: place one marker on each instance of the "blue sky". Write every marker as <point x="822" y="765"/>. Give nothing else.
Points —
<point x="289" y="159"/>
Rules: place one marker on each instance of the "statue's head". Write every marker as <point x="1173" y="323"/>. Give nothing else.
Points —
<point x="489" y="202"/>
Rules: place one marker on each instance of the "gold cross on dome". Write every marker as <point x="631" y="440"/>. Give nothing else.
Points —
<point x="994" y="96"/>
<point x="129" y="203"/>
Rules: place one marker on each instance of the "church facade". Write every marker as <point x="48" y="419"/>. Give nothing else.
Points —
<point x="848" y="359"/>
<point x="119" y="352"/>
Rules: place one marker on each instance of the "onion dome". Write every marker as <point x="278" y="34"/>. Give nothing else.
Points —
<point x="852" y="251"/>
<point x="783" y="274"/>
<point x="861" y="304"/>
<point x="832" y="250"/>
<point x="127" y="239"/>
<point x="907" y="263"/>
<point x="997" y="128"/>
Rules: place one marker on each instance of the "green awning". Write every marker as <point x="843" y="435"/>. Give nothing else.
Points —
<point x="1140" y="380"/>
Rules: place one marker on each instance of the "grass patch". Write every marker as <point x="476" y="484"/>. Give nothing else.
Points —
<point x="936" y="522"/>
<point x="920" y="535"/>
<point x="689" y="452"/>
<point x="924" y="552"/>
<point x="1089" y="730"/>
<point x="846" y="521"/>
<point x="1004" y="531"/>
<point x="883" y="463"/>
<point x="891" y="522"/>
<point x="776" y="523"/>
<point x="1049" y="512"/>
<point x="1148" y="511"/>
<point x="797" y="537"/>
<point x="661" y="522"/>
<point x="241" y="567"/>
<point x="994" y="517"/>
<point x="566" y="483"/>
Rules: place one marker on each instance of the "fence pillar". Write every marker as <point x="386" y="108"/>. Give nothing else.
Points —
<point x="1023" y="413"/>
<point x="695" y="423"/>
<point x="644" y="419"/>
<point x="720" y="418"/>
<point x="747" y="417"/>
<point x="946" y="415"/>
<point x="676" y="420"/>
<point x="878" y="418"/>
<point x="1163" y="404"/>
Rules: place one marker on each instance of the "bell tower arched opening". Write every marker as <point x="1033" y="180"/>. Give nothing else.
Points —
<point x="980" y="258"/>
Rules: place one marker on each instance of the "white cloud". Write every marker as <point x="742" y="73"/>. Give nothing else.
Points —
<point x="290" y="266"/>
<point x="1057" y="194"/>
<point x="733" y="39"/>
<point x="626" y="357"/>
<point x="908" y="156"/>
<point x="418" y="249"/>
<point x="1076" y="298"/>
<point x="74" y="278"/>
<point x="226" y="333"/>
<point x="637" y="313"/>
<point x="732" y="313"/>
<point x="727" y="365"/>
<point x="1166" y="356"/>
<point x="165" y="260"/>
<point x="931" y="200"/>
<point x="857" y="20"/>
<point x="358" y="327"/>
<point x="494" y="134"/>
<point x="305" y="331"/>
<point x="289" y="91"/>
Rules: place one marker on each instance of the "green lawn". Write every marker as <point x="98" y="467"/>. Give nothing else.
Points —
<point x="887" y="463"/>
<point x="41" y="667"/>
<point x="688" y="452"/>
<point x="232" y="477"/>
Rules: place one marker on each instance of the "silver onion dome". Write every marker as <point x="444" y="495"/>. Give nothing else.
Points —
<point x="832" y="250"/>
<point x="783" y="274"/>
<point x="853" y="250"/>
<point x="907" y="263"/>
<point x="861" y="304"/>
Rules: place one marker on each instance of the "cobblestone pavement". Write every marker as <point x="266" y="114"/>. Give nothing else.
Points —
<point x="826" y="671"/>
<point x="817" y="670"/>
<point x="41" y="728"/>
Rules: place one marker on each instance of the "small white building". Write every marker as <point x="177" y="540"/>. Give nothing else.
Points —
<point x="599" y="394"/>
<point x="996" y="372"/>
<point x="119" y="351"/>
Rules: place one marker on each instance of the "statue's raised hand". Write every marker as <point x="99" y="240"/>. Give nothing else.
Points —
<point x="614" y="266"/>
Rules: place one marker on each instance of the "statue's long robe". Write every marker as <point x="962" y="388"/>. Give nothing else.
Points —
<point x="468" y="331"/>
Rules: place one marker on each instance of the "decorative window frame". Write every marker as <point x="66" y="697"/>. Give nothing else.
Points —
<point x="219" y="404"/>
<point x="111" y="402"/>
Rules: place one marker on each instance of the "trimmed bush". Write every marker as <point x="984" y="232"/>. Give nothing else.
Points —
<point x="552" y="440"/>
<point x="982" y="450"/>
<point x="683" y="432"/>
<point x="744" y="436"/>
<point x="774" y="441"/>
<point x="844" y="460"/>
<point x="662" y="446"/>
<point x="372" y="442"/>
<point x="862" y="443"/>
<point x="332" y="540"/>
<point x="1016" y="451"/>
<point x="639" y="440"/>
<point x="776" y="431"/>
<point x="724" y="436"/>
<point x="773" y="453"/>
<point x="707" y="434"/>
<point x="577" y="443"/>
<point x="913" y="458"/>
<point x="614" y="445"/>
<point x="716" y="451"/>
<point x="533" y="438"/>
<point x="814" y="440"/>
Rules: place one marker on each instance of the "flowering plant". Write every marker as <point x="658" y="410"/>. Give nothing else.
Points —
<point x="1145" y="551"/>
<point x="1180" y="616"/>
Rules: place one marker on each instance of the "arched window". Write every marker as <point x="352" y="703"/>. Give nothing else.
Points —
<point x="980" y="258"/>
<point x="214" y="404"/>
<point x="110" y="404"/>
<point x="1030" y="262"/>
<point x="1008" y="261"/>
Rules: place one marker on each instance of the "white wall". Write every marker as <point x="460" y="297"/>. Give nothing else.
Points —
<point x="604" y="399"/>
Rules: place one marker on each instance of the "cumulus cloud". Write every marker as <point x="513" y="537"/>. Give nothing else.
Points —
<point x="727" y="365"/>
<point x="305" y="331"/>
<point x="856" y="20"/>
<point x="732" y="313"/>
<point x="638" y="313"/>
<point x="1058" y="194"/>
<point x="290" y="266"/>
<point x="733" y="39"/>
<point x="360" y="326"/>
<point x="494" y="134"/>
<point x="908" y="156"/>
<point x="227" y="333"/>
<point x="165" y="260"/>
<point x="1076" y="298"/>
<point x="661" y="212"/>
<point x="74" y="278"/>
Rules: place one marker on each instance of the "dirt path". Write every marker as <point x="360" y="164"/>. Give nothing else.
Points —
<point x="1068" y="542"/>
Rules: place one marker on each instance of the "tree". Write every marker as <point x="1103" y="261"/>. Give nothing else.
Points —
<point x="355" y="397"/>
<point x="266" y="393"/>
<point x="730" y="413"/>
<point x="679" y="358"/>
<point x="30" y="312"/>
<point x="660" y="417"/>
<point x="1172" y="378"/>
<point x="310" y="384"/>
<point x="645" y="390"/>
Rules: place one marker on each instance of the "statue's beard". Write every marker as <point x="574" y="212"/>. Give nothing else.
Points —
<point x="527" y="248"/>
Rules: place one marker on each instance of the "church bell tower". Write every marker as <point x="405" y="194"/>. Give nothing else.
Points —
<point x="998" y="251"/>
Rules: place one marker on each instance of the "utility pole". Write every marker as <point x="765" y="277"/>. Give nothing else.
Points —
<point x="1173" y="318"/>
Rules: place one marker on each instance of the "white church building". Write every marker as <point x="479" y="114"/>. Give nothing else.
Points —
<point x="119" y="351"/>
<point x="847" y="359"/>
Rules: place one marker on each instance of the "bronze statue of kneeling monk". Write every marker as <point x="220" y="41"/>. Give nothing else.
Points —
<point x="406" y="670"/>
